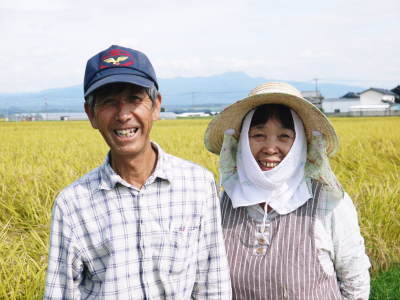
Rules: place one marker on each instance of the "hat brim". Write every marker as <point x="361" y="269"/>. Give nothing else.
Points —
<point x="136" y="79"/>
<point x="232" y="117"/>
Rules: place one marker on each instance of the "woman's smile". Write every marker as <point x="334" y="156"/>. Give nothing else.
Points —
<point x="267" y="165"/>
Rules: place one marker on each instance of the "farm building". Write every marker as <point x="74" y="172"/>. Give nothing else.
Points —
<point x="374" y="96"/>
<point x="193" y="114"/>
<point x="373" y="101"/>
<point x="342" y="104"/>
<point x="24" y="117"/>
<point x="167" y="115"/>
<point x="314" y="97"/>
<point x="65" y="116"/>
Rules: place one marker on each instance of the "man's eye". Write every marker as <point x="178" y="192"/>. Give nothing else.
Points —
<point x="134" y="100"/>
<point x="106" y="101"/>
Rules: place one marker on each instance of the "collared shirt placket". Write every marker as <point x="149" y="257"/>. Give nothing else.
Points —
<point x="262" y="236"/>
<point x="144" y="239"/>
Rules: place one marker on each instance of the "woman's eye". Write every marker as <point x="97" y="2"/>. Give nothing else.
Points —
<point x="286" y="136"/>
<point x="257" y="136"/>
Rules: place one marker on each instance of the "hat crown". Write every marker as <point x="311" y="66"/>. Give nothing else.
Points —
<point x="275" y="87"/>
<point x="118" y="64"/>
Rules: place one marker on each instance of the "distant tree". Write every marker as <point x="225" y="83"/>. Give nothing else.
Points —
<point x="162" y="109"/>
<point x="396" y="90"/>
<point x="38" y="117"/>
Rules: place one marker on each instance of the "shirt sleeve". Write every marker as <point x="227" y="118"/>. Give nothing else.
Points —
<point x="64" y="266"/>
<point x="212" y="278"/>
<point x="350" y="260"/>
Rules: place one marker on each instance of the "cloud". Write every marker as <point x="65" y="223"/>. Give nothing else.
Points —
<point x="47" y="43"/>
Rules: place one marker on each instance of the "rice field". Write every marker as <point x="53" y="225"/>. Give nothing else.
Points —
<point x="38" y="159"/>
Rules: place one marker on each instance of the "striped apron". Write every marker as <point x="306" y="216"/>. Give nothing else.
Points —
<point x="279" y="263"/>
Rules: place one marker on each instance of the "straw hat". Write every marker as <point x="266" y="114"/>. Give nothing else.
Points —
<point x="268" y="93"/>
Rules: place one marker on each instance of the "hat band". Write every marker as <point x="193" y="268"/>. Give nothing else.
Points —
<point x="143" y="75"/>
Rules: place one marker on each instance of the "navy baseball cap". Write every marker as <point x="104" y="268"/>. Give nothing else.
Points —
<point x="118" y="64"/>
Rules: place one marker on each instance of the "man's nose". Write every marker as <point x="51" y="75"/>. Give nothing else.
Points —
<point x="124" y="111"/>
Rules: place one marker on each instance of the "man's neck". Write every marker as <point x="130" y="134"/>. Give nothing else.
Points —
<point x="136" y="170"/>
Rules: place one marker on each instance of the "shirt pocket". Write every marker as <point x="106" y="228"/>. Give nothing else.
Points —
<point x="324" y="248"/>
<point x="179" y="250"/>
<point x="326" y="262"/>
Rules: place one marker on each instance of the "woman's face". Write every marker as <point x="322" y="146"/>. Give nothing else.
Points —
<point x="270" y="143"/>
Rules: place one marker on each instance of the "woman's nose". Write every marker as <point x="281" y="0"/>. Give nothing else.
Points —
<point x="270" y="147"/>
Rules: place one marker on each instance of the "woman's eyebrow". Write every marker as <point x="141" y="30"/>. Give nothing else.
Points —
<point x="259" y="126"/>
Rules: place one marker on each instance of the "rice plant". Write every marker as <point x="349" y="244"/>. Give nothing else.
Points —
<point x="38" y="159"/>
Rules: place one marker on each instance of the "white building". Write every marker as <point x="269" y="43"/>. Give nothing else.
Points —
<point x="193" y="114"/>
<point x="374" y="96"/>
<point x="64" y="116"/>
<point x="342" y="104"/>
<point x="167" y="115"/>
<point x="372" y="101"/>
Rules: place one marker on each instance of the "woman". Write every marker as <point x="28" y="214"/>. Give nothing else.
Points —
<point x="290" y="230"/>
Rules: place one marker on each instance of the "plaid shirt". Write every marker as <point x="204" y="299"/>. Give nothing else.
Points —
<point x="111" y="240"/>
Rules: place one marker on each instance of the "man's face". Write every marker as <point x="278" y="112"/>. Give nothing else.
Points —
<point x="125" y="119"/>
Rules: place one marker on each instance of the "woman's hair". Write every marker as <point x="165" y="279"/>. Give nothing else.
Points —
<point x="273" y="111"/>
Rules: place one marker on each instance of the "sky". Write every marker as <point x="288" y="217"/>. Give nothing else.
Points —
<point x="46" y="43"/>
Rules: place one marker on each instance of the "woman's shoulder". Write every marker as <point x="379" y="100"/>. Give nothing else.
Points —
<point x="327" y="200"/>
<point x="332" y="207"/>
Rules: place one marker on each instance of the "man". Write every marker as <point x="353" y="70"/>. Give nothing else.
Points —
<point x="145" y="224"/>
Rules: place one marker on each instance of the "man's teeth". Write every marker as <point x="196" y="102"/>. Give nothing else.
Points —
<point x="126" y="132"/>
<point x="269" y="164"/>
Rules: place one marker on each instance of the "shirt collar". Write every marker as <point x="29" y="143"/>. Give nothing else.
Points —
<point x="109" y="178"/>
<point x="162" y="166"/>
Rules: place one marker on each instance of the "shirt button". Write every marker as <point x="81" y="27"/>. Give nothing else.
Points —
<point x="262" y="241"/>
<point x="260" y="251"/>
<point x="262" y="229"/>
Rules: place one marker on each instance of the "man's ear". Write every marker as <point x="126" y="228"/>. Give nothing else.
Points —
<point x="157" y="107"/>
<point x="90" y="113"/>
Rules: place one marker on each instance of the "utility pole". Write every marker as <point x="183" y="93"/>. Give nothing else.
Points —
<point x="316" y="86"/>
<point x="45" y="108"/>
<point x="318" y="96"/>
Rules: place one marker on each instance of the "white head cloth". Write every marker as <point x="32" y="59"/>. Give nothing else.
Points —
<point x="283" y="188"/>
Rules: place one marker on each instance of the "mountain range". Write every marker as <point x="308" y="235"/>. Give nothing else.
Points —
<point x="181" y="93"/>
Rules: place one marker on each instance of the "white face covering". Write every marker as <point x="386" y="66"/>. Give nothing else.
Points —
<point x="283" y="188"/>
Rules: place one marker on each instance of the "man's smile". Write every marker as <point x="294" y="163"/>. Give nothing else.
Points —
<point x="130" y="132"/>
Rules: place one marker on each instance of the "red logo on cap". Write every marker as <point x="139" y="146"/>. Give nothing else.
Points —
<point x="116" y="58"/>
